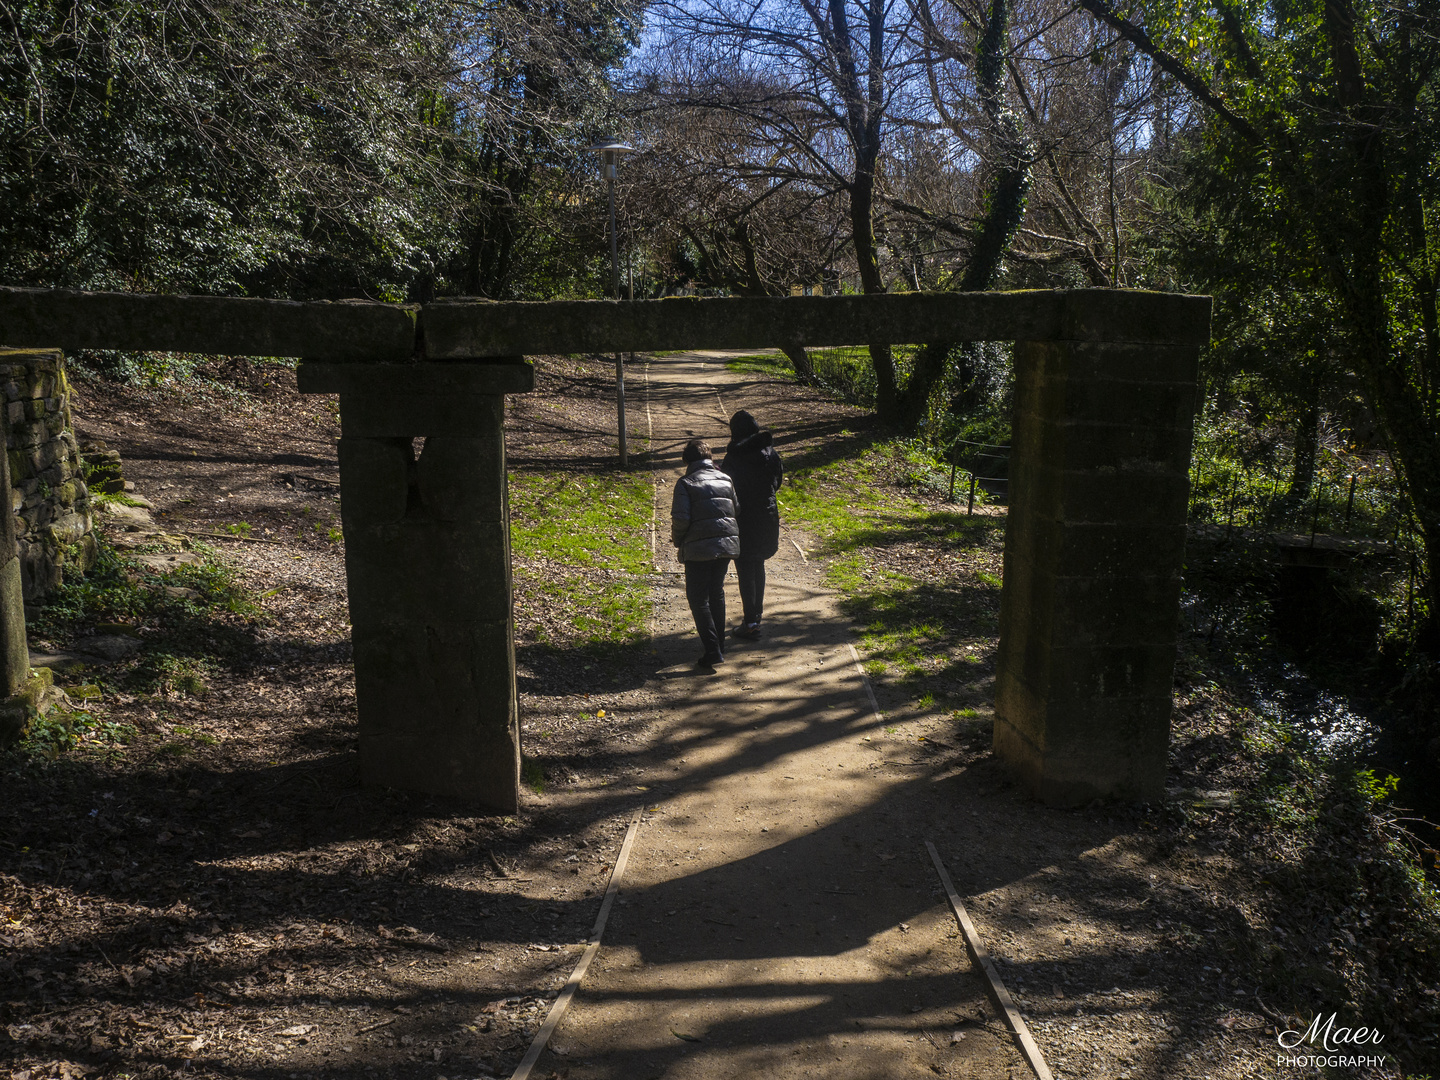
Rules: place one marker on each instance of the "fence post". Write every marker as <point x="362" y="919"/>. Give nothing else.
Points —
<point x="14" y="646"/>
<point x="970" y="505"/>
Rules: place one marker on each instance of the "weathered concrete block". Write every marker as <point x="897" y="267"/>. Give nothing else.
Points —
<point x="493" y="378"/>
<point x="460" y="329"/>
<point x="433" y="414"/>
<point x="1119" y="751"/>
<point x="420" y="570"/>
<point x="354" y="330"/>
<point x="379" y="480"/>
<point x="437" y="704"/>
<point x="462" y="479"/>
<point x="428" y="565"/>
<point x="1094" y="549"/>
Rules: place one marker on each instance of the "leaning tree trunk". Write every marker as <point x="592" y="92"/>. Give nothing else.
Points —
<point x="800" y="361"/>
<point x="862" y="225"/>
<point x="1003" y="200"/>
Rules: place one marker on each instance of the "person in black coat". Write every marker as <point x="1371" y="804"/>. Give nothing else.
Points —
<point x="706" y="536"/>
<point x="751" y="461"/>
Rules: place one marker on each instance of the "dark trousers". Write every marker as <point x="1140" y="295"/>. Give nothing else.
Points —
<point x="705" y="589"/>
<point x="751" y="573"/>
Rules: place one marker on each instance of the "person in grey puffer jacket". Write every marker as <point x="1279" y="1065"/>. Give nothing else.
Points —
<point x="705" y="529"/>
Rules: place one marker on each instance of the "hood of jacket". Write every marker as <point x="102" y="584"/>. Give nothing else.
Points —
<point x="742" y="425"/>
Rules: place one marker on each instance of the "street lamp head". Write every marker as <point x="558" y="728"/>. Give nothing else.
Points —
<point x="610" y="151"/>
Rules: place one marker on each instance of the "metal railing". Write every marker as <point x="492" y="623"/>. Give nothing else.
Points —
<point x="975" y="458"/>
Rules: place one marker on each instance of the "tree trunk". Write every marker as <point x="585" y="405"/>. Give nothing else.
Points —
<point x="925" y="375"/>
<point x="800" y="361"/>
<point x="862" y="225"/>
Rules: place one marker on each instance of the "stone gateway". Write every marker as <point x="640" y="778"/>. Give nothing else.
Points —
<point x="1105" y="385"/>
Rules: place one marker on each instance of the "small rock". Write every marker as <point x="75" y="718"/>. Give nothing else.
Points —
<point x="163" y="563"/>
<point x="126" y="515"/>
<point x="109" y="647"/>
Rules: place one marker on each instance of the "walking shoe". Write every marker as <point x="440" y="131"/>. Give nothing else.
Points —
<point x="750" y="631"/>
<point x="709" y="660"/>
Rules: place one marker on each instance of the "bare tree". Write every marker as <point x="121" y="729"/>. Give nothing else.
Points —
<point x="817" y="85"/>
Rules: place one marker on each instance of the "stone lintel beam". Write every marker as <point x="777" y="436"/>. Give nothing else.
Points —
<point x="462" y="329"/>
<point x="358" y="331"/>
<point x="509" y="376"/>
<point x="351" y="330"/>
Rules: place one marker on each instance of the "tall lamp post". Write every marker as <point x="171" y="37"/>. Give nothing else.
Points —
<point x="610" y="151"/>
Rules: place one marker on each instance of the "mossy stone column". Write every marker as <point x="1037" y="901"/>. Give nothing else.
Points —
<point x="427" y="564"/>
<point x="1099" y="483"/>
<point x="14" y="649"/>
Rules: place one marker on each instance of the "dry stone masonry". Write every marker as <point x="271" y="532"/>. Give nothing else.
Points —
<point x="427" y="566"/>
<point x="52" y="512"/>
<point x="1105" y="384"/>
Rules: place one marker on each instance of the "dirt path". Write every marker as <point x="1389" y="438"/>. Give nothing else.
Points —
<point x="213" y="894"/>
<point x="779" y="917"/>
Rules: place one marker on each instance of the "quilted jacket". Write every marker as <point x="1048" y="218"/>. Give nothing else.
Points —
<point x="703" y="513"/>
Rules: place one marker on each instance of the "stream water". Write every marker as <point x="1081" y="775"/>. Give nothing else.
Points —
<point x="1327" y="720"/>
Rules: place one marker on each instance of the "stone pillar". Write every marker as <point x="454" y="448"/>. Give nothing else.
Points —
<point x="14" y="648"/>
<point x="427" y="563"/>
<point x="1099" y="483"/>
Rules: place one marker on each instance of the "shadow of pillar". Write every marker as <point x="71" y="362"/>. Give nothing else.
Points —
<point x="1094" y="549"/>
<point x="427" y="565"/>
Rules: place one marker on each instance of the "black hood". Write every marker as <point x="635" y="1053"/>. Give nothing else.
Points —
<point x="742" y="424"/>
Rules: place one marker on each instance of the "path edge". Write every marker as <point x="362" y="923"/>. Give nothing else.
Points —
<point x="993" y="986"/>
<point x="572" y="984"/>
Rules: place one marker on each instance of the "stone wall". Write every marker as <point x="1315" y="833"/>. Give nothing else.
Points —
<point x="51" y="505"/>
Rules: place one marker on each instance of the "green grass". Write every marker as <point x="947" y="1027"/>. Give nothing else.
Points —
<point x="532" y="774"/>
<point x="188" y="637"/>
<point x="582" y="521"/>
<point x="582" y="542"/>
<point x="761" y="364"/>
<point x="911" y="628"/>
<point x="59" y="730"/>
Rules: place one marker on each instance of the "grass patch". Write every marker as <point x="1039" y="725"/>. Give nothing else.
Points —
<point x="582" y="521"/>
<point x="774" y="364"/>
<point x="912" y="626"/>
<point x="582" y="557"/>
<point x="59" y="730"/>
<point x="532" y="774"/>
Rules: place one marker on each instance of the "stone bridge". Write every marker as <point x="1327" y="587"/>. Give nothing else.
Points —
<point x="1104" y="405"/>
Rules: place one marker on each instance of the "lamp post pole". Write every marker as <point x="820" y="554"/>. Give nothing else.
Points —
<point x="615" y="294"/>
<point x="610" y="151"/>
